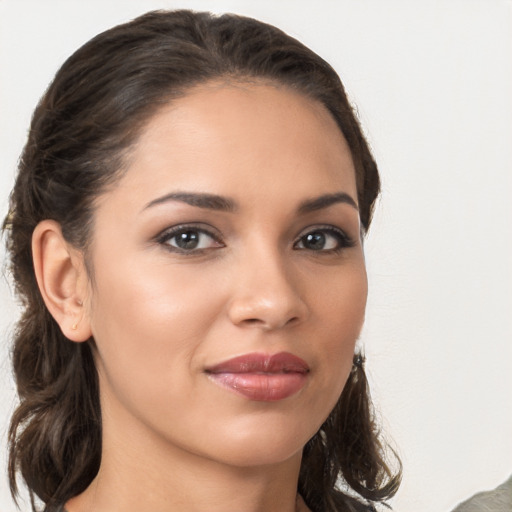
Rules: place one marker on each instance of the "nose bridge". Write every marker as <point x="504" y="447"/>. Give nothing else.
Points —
<point x="266" y="290"/>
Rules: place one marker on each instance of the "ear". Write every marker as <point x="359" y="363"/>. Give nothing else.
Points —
<point x="62" y="279"/>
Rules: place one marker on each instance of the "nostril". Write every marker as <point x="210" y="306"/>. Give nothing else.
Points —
<point x="262" y="322"/>
<point x="267" y="312"/>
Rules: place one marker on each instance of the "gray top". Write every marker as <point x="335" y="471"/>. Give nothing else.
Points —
<point x="497" y="500"/>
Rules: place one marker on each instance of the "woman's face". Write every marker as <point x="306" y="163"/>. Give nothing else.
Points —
<point x="229" y="280"/>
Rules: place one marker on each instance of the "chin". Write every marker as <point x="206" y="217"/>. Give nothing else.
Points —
<point x="265" y="442"/>
<point x="257" y="455"/>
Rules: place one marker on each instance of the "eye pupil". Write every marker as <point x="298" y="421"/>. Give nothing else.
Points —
<point x="315" y="241"/>
<point x="187" y="240"/>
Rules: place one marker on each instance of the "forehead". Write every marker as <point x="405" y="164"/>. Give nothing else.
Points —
<point x="241" y="138"/>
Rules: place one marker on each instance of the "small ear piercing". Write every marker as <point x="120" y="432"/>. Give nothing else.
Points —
<point x="74" y="327"/>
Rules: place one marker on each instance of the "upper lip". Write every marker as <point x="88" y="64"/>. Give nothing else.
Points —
<point x="283" y="362"/>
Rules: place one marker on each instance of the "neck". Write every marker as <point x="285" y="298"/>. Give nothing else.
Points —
<point x="151" y="475"/>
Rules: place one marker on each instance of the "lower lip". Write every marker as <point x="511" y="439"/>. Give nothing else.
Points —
<point x="263" y="387"/>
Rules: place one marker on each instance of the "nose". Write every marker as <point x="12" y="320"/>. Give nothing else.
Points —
<point x="266" y="295"/>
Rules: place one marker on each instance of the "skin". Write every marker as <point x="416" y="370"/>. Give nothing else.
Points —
<point x="174" y="440"/>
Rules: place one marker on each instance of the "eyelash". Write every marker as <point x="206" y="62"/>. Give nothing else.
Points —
<point x="343" y="241"/>
<point x="173" y="232"/>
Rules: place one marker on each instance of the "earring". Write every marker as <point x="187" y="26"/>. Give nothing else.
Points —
<point x="358" y="362"/>
<point x="74" y="327"/>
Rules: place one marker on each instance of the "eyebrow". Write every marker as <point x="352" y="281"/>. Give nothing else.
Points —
<point x="318" y="203"/>
<point x="207" y="201"/>
<point x="225" y="204"/>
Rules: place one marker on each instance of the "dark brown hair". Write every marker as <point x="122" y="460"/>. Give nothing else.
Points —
<point x="78" y="144"/>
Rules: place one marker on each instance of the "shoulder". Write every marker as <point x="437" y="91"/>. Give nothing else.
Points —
<point x="497" y="500"/>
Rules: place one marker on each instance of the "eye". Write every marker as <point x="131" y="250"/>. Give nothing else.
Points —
<point x="326" y="239"/>
<point x="189" y="239"/>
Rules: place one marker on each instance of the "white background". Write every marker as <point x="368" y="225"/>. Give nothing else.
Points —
<point x="432" y="82"/>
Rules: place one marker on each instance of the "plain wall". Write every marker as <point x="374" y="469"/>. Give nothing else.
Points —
<point x="432" y="84"/>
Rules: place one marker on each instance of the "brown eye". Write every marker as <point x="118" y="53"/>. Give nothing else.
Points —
<point x="325" y="239"/>
<point x="314" y="241"/>
<point x="188" y="239"/>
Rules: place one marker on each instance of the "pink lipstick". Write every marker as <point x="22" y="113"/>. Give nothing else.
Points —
<point x="262" y="377"/>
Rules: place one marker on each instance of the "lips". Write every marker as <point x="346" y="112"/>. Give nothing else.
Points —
<point x="261" y="377"/>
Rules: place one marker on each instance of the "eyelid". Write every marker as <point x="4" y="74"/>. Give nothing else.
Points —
<point x="168" y="233"/>
<point x="345" y="239"/>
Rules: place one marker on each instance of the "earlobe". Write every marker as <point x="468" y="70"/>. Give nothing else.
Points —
<point x="61" y="277"/>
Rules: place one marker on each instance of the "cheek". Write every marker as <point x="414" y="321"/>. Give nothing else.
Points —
<point x="163" y="300"/>
<point x="147" y="327"/>
<point x="340" y="310"/>
<point x="341" y="303"/>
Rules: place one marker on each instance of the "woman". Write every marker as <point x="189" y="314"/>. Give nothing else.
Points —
<point x="186" y="236"/>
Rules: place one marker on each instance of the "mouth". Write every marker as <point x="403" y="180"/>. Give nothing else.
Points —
<point x="261" y="377"/>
